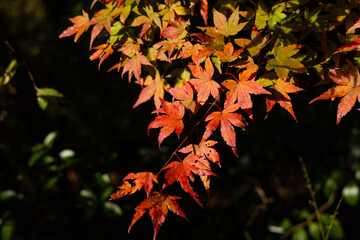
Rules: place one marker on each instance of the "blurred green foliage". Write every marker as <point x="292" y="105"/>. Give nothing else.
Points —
<point x="56" y="174"/>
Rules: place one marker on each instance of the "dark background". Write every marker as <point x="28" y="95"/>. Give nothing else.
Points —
<point x="56" y="198"/>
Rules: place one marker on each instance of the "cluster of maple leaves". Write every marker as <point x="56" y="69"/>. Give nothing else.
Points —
<point x="212" y="68"/>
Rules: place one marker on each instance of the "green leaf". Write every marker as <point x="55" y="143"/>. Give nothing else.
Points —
<point x="50" y="139"/>
<point x="112" y="209"/>
<point x="314" y="230"/>
<point x="8" y="195"/>
<point x="283" y="62"/>
<point x="300" y="234"/>
<point x="50" y="182"/>
<point x="87" y="194"/>
<point x="262" y="15"/>
<point x="336" y="232"/>
<point x="36" y="156"/>
<point x="329" y="187"/>
<point x="8" y="229"/>
<point x="54" y="103"/>
<point x="66" y="154"/>
<point x="9" y="72"/>
<point x="351" y="194"/>
<point x="277" y="15"/>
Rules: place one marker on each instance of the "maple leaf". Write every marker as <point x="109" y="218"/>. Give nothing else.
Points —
<point x="158" y="205"/>
<point x="103" y="51"/>
<point x="171" y="15"/>
<point x="141" y="180"/>
<point x="279" y="94"/>
<point x="133" y="66"/>
<point x="228" y="27"/>
<point x="169" y="121"/>
<point x="203" y="149"/>
<point x="168" y="45"/>
<point x="182" y="171"/>
<point x="283" y="62"/>
<point x="81" y="25"/>
<point x="349" y="46"/>
<point x="256" y="43"/>
<point x="102" y="19"/>
<point x="125" y="189"/>
<point x="240" y="90"/>
<point x="147" y="20"/>
<point x="228" y="54"/>
<point x="153" y="88"/>
<point x="190" y="50"/>
<point x="204" y="84"/>
<point x="355" y="26"/>
<point x="347" y="88"/>
<point x="185" y="95"/>
<point x="227" y="119"/>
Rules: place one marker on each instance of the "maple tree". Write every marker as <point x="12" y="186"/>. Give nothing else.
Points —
<point x="204" y="77"/>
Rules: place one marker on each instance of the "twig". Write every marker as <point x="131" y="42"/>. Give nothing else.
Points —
<point x="313" y="199"/>
<point x="31" y="76"/>
<point x="303" y="224"/>
<point x="333" y="218"/>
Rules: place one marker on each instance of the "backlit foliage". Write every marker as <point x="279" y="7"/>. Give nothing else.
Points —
<point x="202" y="62"/>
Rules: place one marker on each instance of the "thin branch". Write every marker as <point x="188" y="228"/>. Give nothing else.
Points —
<point x="311" y="218"/>
<point x="313" y="198"/>
<point x="31" y="76"/>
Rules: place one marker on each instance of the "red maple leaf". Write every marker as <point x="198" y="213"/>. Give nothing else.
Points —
<point x="81" y="25"/>
<point x="182" y="171"/>
<point x="170" y="119"/>
<point x="158" y="205"/>
<point x="349" y="46"/>
<point x="279" y="94"/>
<point x="347" y="88"/>
<point x="227" y="119"/>
<point x="240" y="90"/>
<point x="141" y="180"/>
<point x="355" y="26"/>
<point x="203" y="149"/>
<point x="204" y="84"/>
<point x="185" y="94"/>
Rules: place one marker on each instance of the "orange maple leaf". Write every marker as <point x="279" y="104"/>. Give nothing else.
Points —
<point x="204" y="84"/>
<point x="102" y="19"/>
<point x="158" y="205"/>
<point x="141" y="180"/>
<point x="240" y="90"/>
<point x="348" y="89"/>
<point x="228" y="54"/>
<point x="81" y="25"/>
<point x="133" y="66"/>
<point x="153" y="88"/>
<point x="103" y="51"/>
<point x="169" y="121"/>
<point x="227" y="119"/>
<point x="279" y="94"/>
<point x="182" y="171"/>
<point x="185" y="94"/>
